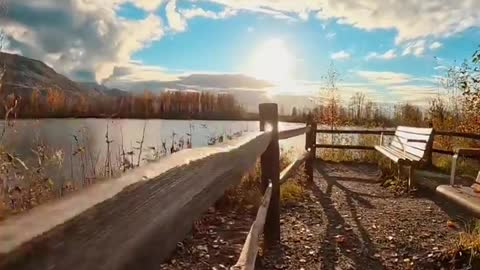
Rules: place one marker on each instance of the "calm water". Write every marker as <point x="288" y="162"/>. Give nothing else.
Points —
<point x="73" y="149"/>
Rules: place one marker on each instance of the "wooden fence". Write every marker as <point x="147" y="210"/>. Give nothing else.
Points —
<point x="268" y="215"/>
<point x="136" y="220"/>
<point x="391" y="132"/>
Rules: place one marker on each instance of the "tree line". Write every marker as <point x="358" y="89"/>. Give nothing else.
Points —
<point x="56" y="103"/>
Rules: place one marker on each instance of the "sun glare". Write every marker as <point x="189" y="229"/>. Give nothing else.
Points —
<point x="272" y="62"/>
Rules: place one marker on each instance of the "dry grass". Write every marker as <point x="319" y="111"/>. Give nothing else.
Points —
<point x="291" y="192"/>
<point x="343" y="155"/>
<point x="469" y="240"/>
<point x="466" y="253"/>
<point x="247" y="194"/>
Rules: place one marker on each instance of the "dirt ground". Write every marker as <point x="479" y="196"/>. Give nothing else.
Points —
<point x="347" y="220"/>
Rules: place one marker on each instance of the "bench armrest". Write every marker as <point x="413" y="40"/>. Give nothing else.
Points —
<point x="461" y="151"/>
<point x="467" y="151"/>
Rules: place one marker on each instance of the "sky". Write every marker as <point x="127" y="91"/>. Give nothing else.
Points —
<point x="391" y="50"/>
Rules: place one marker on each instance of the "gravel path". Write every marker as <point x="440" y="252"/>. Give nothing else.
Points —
<point x="346" y="221"/>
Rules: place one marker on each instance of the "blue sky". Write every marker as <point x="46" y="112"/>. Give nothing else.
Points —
<point x="391" y="51"/>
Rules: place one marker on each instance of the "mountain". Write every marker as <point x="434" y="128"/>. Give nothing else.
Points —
<point x="23" y="75"/>
<point x="93" y="86"/>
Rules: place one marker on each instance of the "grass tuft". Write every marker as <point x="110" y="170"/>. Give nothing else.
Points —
<point x="469" y="240"/>
<point x="291" y="192"/>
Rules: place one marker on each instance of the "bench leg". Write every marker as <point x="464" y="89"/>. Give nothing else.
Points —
<point x="452" y="172"/>
<point x="399" y="172"/>
<point x="411" y="176"/>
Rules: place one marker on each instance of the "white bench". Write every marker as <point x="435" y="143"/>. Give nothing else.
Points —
<point x="409" y="147"/>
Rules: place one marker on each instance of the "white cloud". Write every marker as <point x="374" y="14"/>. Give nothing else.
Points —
<point x="411" y="19"/>
<point x="441" y="67"/>
<point x="416" y="48"/>
<point x="384" y="77"/>
<point x="148" y="5"/>
<point x="200" y="12"/>
<point x="390" y="54"/>
<point x="250" y="29"/>
<point x="435" y="45"/>
<point x="401" y="87"/>
<point x="176" y="21"/>
<point x="415" y="94"/>
<point x="138" y="72"/>
<point x="330" y="35"/>
<point x="340" y="55"/>
<point x="82" y="39"/>
<point x="304" y="15"/>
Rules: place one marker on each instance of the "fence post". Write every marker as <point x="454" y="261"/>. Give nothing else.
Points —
<point x="310" y="141"/>
<point x="270" y="163"/>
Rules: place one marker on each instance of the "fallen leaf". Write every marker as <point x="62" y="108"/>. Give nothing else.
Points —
<point x="340" y="238"/>
<point x="451" y="224"/>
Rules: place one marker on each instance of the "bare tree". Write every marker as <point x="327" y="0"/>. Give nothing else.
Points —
<point x="357" y="102"/>
<point x="330" y="90"/>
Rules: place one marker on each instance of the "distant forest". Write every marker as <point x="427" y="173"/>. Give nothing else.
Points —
<point x="54" y="103"/>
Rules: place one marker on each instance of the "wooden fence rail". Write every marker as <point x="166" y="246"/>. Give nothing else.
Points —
<point x="458" y="134"/>
<point x="390" y="132"/>
<point x="247" y="258"/>
<point x="290" y="169"/>
<point x="358" y="131"/>
<point x="286" y="134"/>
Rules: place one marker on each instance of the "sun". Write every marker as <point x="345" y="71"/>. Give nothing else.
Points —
<point x="272" y="61"/>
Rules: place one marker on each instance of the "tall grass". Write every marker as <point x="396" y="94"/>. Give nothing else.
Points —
<point x="247" y="194"/>
<point x="48" y="172"/>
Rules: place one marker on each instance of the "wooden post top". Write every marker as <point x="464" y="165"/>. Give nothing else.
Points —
<point x="268" y="114"/>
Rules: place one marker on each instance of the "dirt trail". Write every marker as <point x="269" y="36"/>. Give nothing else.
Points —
<point x="346" y="221"/>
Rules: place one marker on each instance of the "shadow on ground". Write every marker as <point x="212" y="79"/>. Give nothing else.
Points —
<point x="340" y="239"/>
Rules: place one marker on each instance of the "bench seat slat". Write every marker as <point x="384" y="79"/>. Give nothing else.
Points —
<point x="396" y="154"/>
<point x="385" y="152"/>
<point x="425" y="131"/>
<point x="414" y="144"/>
<point x="408" y="149"/>
<point x="405" y="155"/>
<point x="411" y="136"/>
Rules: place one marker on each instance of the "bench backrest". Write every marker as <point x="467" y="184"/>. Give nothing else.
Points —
<point x="412" y="140"/>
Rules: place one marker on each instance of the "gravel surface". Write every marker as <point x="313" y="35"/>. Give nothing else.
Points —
<point x="346" y="221"/>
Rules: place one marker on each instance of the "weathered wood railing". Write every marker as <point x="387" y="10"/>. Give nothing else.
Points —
<point x="391" y="132"/>
<point x="136" y="220"/>
<point x="268" y="215"/>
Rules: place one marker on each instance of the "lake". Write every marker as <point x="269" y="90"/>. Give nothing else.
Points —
<point x="82" y="150"/>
